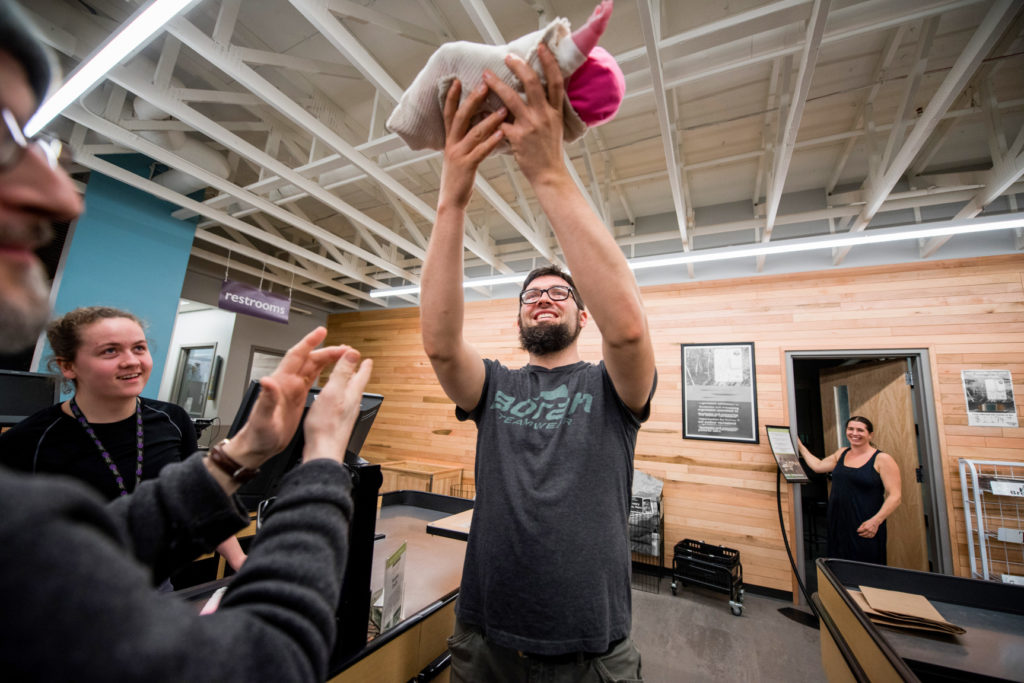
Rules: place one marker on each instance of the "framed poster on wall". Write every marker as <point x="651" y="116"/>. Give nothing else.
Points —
<point x="719" y="393"/>
<point x="989" y="396"/>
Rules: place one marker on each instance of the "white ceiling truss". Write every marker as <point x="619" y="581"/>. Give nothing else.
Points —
<point x="744" y="122"/>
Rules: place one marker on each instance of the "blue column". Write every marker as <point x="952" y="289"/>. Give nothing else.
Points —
<point x="127" y="251"/>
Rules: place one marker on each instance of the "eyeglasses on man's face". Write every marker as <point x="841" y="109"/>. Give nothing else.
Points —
<point x="14" y="145"/>
<point x="556" y="293"/>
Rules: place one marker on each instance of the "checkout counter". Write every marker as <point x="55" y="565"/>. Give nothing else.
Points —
<point x="855" y="649"/>
<point x="416" y="647"/>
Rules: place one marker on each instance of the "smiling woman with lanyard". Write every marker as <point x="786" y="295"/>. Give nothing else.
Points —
<point x="107" y="434"/>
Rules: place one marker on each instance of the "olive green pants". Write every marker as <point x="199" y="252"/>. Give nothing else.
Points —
<point x="475" y="660"/>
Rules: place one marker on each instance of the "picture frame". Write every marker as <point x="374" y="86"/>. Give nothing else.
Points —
<point x="262" y="362"/>
<point x="719" y="392"/>
<point x="192" y="378"/>
<point x="988" y="395"/>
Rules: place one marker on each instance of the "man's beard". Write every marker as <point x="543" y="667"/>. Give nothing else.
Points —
<point x="24" y="307"/>
<point x="540" y="340"/>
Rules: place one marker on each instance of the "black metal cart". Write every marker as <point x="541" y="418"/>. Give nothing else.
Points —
<point x="714" y="566"/>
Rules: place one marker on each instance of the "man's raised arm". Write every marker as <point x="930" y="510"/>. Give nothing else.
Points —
<point x="597" y="264"/>
<point x="458" y="366"/>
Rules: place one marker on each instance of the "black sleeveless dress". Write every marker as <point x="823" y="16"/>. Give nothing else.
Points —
<point x="857" y="494"/>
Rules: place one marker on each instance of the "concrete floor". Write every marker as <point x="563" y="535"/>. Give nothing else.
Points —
<point x="693" y="636"/>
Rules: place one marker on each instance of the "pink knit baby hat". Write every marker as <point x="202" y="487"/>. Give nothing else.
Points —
<point x="597" y="87"/>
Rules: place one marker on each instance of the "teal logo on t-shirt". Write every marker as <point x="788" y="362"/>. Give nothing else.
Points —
<point x="547" y="411"/>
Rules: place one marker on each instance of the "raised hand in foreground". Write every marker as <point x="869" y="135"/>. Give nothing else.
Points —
<point x="276" y="413"/>
<point x="328" y="425"/>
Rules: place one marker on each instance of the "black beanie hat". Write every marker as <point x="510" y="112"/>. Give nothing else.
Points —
<point x="19" y="39"/>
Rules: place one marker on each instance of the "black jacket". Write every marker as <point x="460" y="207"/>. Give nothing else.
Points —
<point x="76" y="579"/>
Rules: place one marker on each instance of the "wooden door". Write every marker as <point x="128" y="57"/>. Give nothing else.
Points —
<point x="878" y="390"/>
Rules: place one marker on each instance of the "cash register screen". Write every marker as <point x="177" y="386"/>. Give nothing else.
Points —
<point x="24" y="393"/>
<point x="785" y="455"/>
<point x="272" y="471"/>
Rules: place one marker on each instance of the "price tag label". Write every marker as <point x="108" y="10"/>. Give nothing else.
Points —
<point x="1008" y="488"/>
<point x="394" y="589"/>
<point x="1010" y="535"/>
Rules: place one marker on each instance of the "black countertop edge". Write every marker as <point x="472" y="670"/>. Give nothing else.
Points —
<point x="430" y="501"/>
<point x="386" y="637"/>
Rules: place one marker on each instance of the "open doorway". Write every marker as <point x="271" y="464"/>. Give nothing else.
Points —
<point x="893" y="389"/>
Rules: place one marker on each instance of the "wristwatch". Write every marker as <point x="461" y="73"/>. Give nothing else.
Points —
<point x="228" y="465"/>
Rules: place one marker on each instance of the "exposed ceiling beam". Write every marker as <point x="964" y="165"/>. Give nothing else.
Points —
<point x="136" y="83"/>
<point x="330" y="164"/>
<point x="787" y="142"/>
<point x="1005" y="173"/>
<point x="80" y="115"/>
<point x="612" y="176"/>
<point x="980" y="44"/>
<point x="340" y="36"/>
<point x="222" y="56"/>
<point x="317" y="14"/>
<point x="595" y="188"/>
<point x="926" y="36"/>
<point x="264" y="222"/>
<point x="368" y="15"/>
<point x="845" y="23"/>
<point x="232" y="247"/>
<point x="661" y="104"/>
<point x="771" y="118"/>
<point x="755" y="20"/>
<point x="212" y="257"/>
<point x="264" y="73"/>
<point x="879" y="77"/>
<point x="483" y="21"/>
<point x="984" y="73"/>
<point x="138" y="182"/>
<point x="320" y="67"/>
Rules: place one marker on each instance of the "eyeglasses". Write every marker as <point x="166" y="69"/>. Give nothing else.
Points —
<point x="556" y="293"/>
<point x="14" y="144"/>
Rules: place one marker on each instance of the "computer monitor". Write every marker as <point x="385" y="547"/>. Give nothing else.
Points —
<point x="353" y="610"/>
<point x="25" y="393"/>
<point x="273" y="470"/>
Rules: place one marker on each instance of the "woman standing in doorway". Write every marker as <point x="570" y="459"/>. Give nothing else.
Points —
<point x="106" y="435"/>
<point x="865" y="491"/>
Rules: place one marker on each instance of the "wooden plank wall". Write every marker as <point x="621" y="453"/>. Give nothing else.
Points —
<point x="968" y="313"/>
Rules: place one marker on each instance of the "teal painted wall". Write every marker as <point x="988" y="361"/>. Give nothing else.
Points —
<point x="127" y="251"/>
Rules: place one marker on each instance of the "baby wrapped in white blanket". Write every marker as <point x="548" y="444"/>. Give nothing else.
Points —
<point x="594" y="85"/>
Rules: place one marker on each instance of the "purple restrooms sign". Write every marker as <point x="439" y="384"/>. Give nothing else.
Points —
<point x="241" y="298"/>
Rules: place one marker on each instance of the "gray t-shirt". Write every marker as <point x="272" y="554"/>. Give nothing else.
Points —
<point x="547" y="564"/>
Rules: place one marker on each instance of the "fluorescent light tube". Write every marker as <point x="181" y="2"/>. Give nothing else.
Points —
<point x="134" y="34"/>
<point x="875" y="236"/>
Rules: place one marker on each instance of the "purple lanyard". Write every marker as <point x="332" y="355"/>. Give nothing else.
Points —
<point x="77" y="412"/>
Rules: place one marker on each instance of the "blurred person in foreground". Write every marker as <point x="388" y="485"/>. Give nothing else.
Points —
<point x="77" y="575"/>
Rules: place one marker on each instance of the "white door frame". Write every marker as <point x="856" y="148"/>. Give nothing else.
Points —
<point x="928" y="444"/>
